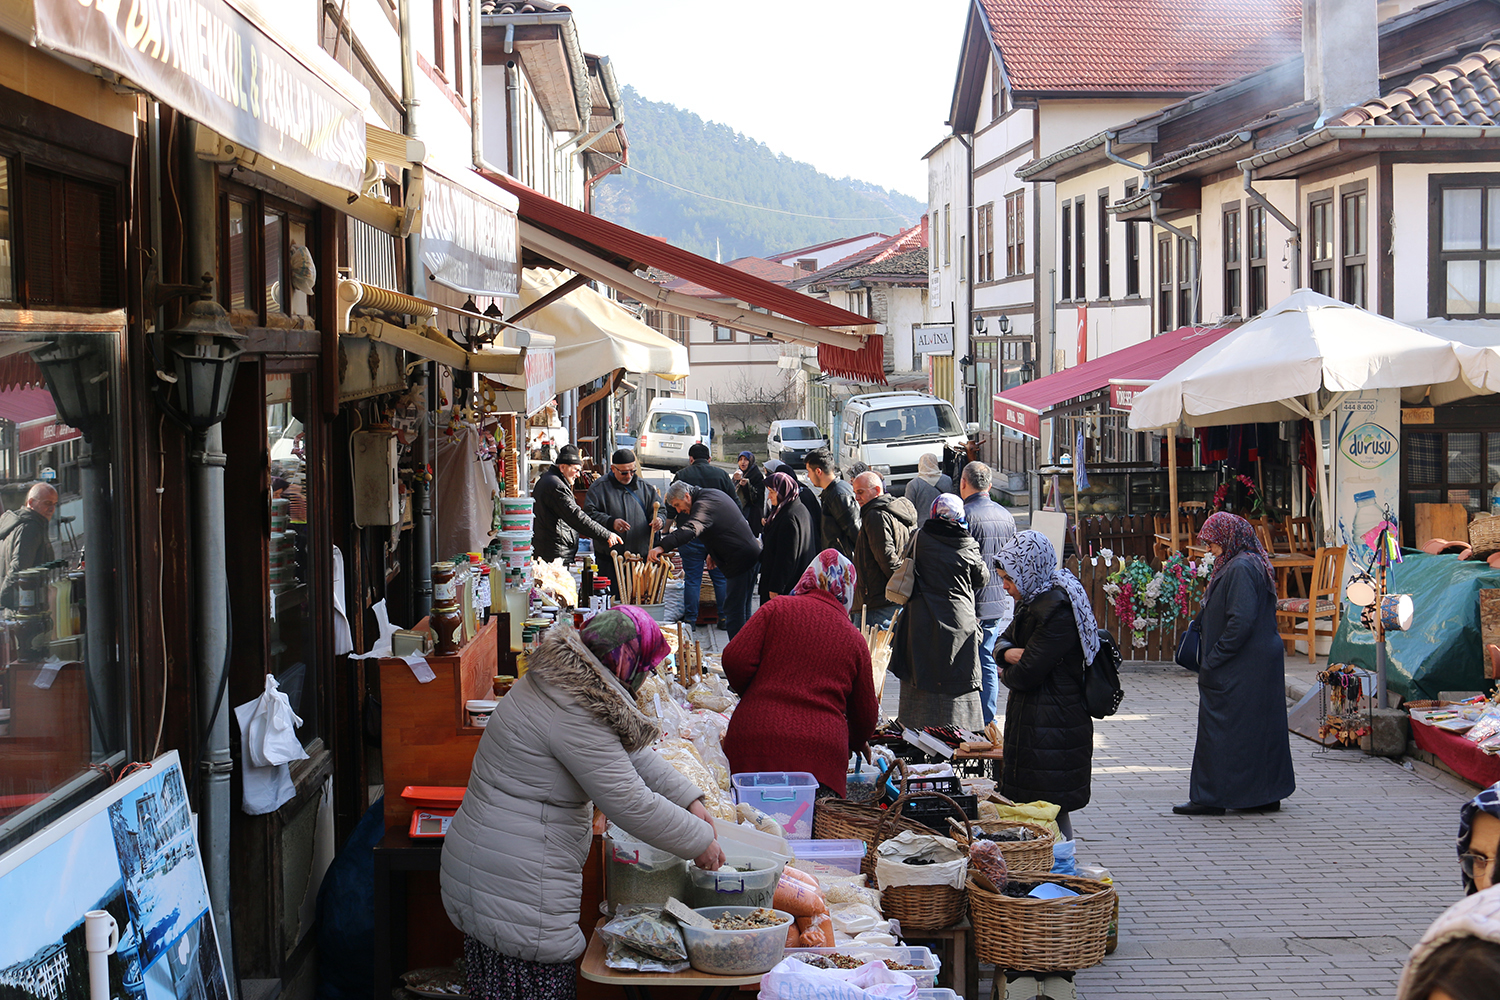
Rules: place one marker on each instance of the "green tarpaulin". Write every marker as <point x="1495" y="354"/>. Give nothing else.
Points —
<point x="1442" y="652"/>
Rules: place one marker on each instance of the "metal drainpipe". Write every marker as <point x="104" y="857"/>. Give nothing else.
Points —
<point x="966" y="266"/>
<point x="210" y="578"/>
<point x="513" y="125"/>
<point x="1290" y="226"/>
<point x="476" y="85"/>
<point x="417" y="282"/>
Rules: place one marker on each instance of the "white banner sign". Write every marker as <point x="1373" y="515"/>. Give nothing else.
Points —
<point x="932" y="339"/>
<point x="541" y="377"/>
<point x="470" y="241"/>
<point x="1367" y="468"/>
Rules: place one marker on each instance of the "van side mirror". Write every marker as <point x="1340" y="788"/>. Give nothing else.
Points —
<point x="849" y="435"/>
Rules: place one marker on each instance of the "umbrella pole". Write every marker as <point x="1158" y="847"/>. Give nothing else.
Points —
<point x="1172" y="482"/>
<point x="1323" y="499"/>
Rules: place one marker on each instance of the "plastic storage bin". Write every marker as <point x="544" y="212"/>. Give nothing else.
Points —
<point x="785" y="796"/>
<point x="755" y="887"/>
<point x="930" y="963"/>
<point x="937" y="994"/>
<point x="845" y="855"/>
<point x="735" y="953"/>
<point x="637" y="874"/>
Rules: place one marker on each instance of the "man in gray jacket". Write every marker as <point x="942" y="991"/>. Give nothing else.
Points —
<point x="993" y="528"/>
<point x="886" y="522"/>
<point x="23" y="538"/>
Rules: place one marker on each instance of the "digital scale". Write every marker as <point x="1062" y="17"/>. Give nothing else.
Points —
<point x="433" y="808"/>
<point x="428" y="824"/>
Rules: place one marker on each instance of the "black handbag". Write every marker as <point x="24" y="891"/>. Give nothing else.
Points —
<point x="1190" y="647"/>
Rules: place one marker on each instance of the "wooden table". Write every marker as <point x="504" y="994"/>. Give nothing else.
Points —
<point x="638" y="984"/>
<point x="1286" y="564"/>
<point x="954" y="947"/>
<point x="395" y="857"/>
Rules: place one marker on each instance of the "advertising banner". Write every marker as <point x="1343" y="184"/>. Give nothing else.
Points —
<point x="1366" y="469"/>
<point x="1018" y="417"/>
<point x="470" y="241"/>
<point x="541" y="377"/>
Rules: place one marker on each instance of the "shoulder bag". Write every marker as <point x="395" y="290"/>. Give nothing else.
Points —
<point x="1189" y="647"/>
<point x="898" y="589"/>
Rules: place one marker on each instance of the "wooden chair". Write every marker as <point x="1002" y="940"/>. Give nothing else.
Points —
<point x="1323" y="601"/>
<point x="1299" y="533"/>
<point x="1186" y="536"/>
<point x="1263" y="534"/>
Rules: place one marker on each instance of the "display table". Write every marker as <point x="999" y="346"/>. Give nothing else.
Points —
<point x="1285" y="564"/>
<point x="638" y="984"/>
<point x="1464" y="757"/>
<point x="395" y="856"/>
<point x="954" y="947"/>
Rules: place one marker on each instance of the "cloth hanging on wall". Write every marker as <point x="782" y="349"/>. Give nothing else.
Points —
<point x="463" y="487"/>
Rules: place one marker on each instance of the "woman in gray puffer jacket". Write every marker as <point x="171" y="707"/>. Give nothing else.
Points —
<point x="567" y="736"/>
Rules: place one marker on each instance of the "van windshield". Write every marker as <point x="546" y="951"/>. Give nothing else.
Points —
<point x="666" y="422"/>
<point x="921" y="420"/>
<point x="795" y="433"/>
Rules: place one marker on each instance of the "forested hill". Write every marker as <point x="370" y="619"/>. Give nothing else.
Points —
<point x="683" y="149"/>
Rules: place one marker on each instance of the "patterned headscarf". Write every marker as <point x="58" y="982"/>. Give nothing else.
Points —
<point x="949" y="508"/>
<point x="1235" y="535"/>
<point x="1030" y="561"/>
<point x="626" y="640"/>
<point x="786" y="492"/>
<point x="832" y="573"/>
<point x="928" y="469"/>
<point x="1486" y="801"/>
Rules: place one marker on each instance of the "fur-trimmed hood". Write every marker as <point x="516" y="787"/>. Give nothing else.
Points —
<point x="563" y="663"/>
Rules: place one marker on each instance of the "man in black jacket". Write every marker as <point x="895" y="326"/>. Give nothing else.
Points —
<point x="700" y="472"/>
<point x="623" y="502"/>
<point x="559" y="519"/>
<point x="712" y="517"/>
<point x="23" y="538"/>
<point x="840" y="509"/>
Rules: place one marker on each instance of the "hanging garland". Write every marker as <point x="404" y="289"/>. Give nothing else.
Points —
<point x="1145" y="599"/>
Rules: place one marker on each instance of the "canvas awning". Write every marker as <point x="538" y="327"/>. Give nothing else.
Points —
<point x="34" y="412"/>
<point x="1129" y="369"/>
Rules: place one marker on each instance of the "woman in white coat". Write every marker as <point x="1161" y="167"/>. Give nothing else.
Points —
<point x="567" y="737"/>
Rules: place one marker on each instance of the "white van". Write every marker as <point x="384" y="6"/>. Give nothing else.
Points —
<point x="791" y="440"/>
<point x="673" y="425"/>
<point x="891" y="431"/>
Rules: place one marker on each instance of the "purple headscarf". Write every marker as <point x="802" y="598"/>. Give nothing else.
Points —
<point x="949" y="508"/>
<point x="786" y="491"/>
<point x="626" y="640"/>
<point x="1235" y="536"/>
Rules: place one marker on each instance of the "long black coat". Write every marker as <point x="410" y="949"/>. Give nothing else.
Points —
<point x="751" y="493"/>
<point x="716" y="521"/>
<point x="559" y="520"/>
<point x="936" y="645"/>
<point x="1049" y="734"/>
<point x="789" y="542"/>
<point x="1244" y="756"/>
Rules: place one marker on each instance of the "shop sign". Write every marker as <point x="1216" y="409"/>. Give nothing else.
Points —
<point x="39" y="434"/>
<point x="1018" y="418"/>
<point x="1366" y="470"/>
<point x="541" y="377"/>
<point x="1418" y="415"/>
<point x="1122" y="394"/>
<point x="932" y="339"/>
<point x="470" y="241"/>
<point x="1368" y="445"/>
<point x="210" y="62"/>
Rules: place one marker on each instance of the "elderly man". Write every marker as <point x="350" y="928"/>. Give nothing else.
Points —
<point x="993" y="528"/>
<point x="624" y="502"/>
<point x="840" y="520"/>
<point x="559" y="519"/>
<point x="23" y="538"/>
<point x="886" y="522"/>
<point x="711" y="516"/>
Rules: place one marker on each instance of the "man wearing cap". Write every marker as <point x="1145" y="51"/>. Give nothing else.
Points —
<point x="622" y="502"/>
<point x="559" y="519"/>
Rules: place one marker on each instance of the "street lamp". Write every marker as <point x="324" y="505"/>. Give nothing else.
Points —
<point x="204" y="353"/>
<point x="493" y="333"/>
<point x="468" y="326"/>
<point x="979" y="325"/>
<point x="77" y="375"/>
<point x="1004" y="325"/>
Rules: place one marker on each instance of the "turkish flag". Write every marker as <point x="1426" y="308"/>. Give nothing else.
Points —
<point x="1083" y="334"/>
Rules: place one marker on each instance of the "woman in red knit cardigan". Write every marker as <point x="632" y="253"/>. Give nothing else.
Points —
<point x="802" y="672"/>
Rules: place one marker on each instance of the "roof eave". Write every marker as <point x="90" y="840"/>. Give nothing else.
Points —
<point x="1342" y="133"/>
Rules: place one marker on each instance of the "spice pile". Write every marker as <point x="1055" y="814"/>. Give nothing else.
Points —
<point x="747" y="921"/>
<point x="838" y="961"/>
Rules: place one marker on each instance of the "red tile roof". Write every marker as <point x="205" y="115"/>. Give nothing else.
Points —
<point x="755" y="266"/>
<point x="1146" y="46"/>
<point x="1462" y="93"/>
<point x="903" y="242"/>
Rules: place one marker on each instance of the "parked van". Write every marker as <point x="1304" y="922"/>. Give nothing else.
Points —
<point x="673" y="425"/>
<point x="791" y="440"/>
<point x="891" y="431"/>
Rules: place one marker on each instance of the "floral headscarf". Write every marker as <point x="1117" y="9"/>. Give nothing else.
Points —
<point x="626" y="640"/>
<point x="949" y="508"/>
<point x="786" y="492"/>
<point x="1030" y="561"/>
<point x="928" y="469"/>
<point x="832" y="573"/>
<point x="1235" y="535"/>
<point x="1486" y="801"/>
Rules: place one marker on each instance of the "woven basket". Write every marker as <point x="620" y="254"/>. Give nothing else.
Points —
<point x="1484" y="535"/>
<point x="919" y="907"/>
<point x="1033" y="855"/>
<point x="839" y="819"/>
<point x="1043" y="935"/>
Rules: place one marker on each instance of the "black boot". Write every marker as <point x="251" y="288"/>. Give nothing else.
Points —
<point x="1197" y="809"/>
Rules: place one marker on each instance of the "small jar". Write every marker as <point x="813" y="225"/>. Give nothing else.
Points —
<point x="444" y="585"/>
<point x="448" y="624"/>
<point x="479" y="711"/>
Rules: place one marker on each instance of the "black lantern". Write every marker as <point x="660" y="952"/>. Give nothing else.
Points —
<point x="494" y="326"/>
<point x="979" y="325"/>
<point x="467" y="335"/>
<point x="1004" y="325"/>
<point x="204" y="353"/>
<point x="77" y="375"/>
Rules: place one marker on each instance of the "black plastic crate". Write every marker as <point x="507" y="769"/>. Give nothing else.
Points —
<point x="934" y="812"/>
<point x="948" y="784"/>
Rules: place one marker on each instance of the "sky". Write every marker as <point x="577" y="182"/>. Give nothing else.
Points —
<point x="857" y="88"/>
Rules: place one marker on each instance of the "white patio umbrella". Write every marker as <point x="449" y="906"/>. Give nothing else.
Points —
<point x="1299" y="359"/>
<point x="1476" y="344"/>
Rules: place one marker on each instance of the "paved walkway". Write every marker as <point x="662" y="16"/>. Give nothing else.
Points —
<point x="1323" y="899"/>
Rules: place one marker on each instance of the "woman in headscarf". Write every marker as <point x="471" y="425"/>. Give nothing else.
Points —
<point x="1479" y="839"/>
<point x="802" y="671"/>
<point x="567" y="737"/>
<point x="924" y="489"/>
<point x="1458" y="957"/>
<point x="788" y="540"/>
<point x="1243" y="759"/>
<point x="750" y="489"/>
<point x="1049" y="734"/>
<point x="935" y="651"/>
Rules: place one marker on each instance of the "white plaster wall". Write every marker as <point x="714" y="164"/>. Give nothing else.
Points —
<point x="906" y="307"/>
<point x="714" y="368"/>
<point x="1409" y="239"/>
<point x="1087" y="185"/>
<point x="1209" y="226"/>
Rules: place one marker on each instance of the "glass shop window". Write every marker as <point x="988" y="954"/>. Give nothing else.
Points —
<point x="64" y="698"/>
<point x="293" y="651"/>
<point x="269" y="275"/>
<point x="7" y="270"/>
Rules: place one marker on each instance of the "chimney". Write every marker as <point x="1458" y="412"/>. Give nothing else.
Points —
<point x="1340" y="54"/>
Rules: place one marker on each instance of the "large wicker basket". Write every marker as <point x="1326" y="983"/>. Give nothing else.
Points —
<point x="1484" y="535"/>
<point x="1033" y="855"/>
<point x="838" y="819"/>
<point x="920" y="907"/>
<point x="1042" y="935"/>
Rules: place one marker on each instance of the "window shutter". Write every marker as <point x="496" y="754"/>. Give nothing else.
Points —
<point x="72" y="253"/>
<point x="40" y="235"/>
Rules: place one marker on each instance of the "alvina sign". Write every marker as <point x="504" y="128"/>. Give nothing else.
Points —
<point x="932" y="339"/>
<point x="210" y="62"/>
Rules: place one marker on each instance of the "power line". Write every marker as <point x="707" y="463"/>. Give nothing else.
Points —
<point x="741" y="204"/>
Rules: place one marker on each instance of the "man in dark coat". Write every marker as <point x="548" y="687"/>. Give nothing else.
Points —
<point x="712" y="517"/>
<point x="623" y="502"/>
<point x="992" y="527"/>
<point x="886" y="522"/>
<point x="23" y="538"/>
<point x="840" y="511"/>
<point x="559" y="519"/>
<point x="700" y="471"/>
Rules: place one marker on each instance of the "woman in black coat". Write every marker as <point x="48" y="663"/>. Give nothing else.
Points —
<point x="1243" y="759"/>
<point x="789" y="539"/>
<point x="935" y="651"/>
<point x="1049" y="734"/>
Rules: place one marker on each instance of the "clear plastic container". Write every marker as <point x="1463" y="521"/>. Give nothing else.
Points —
<point x="937" y="994"/>
<point x="930" y="963"/>
<point x="637" y="874"/>
<point x="755" y="887"/>
<point x="785" y="796"/>
<point x="735" y="953"/>
<point x="844" y="855"/>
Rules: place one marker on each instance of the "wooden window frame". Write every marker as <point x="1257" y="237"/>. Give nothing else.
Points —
<point x="1080" y="250"/>
<point x="1322" y="251"/>
<point x="1015" y="233"/>
<point x="1354" y="247"/>
<point x="265" y="203"/>
<point x="439" y="28"/>
<point x="1166" y="288"/>
<point x="719" y="330"/>
<point x="1065" y="247"/>
<point x="1438" y="258"/>
<point x="1256" y="288"/>
<point x="1234" y="259"/>
<point x="1103" y="250"/>
<point x="1132" y="248"/>
<point x="1187" y="263"/>
<point x="947" y="234"/>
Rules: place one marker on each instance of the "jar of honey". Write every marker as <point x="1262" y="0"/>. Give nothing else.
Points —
<point x="448" y="624"/>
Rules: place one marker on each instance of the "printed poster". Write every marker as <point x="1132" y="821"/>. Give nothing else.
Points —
<point x="1367" y="469"/>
